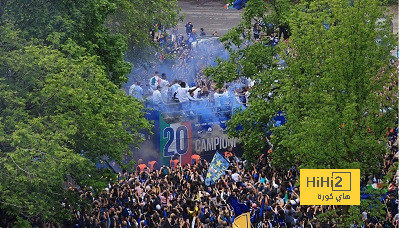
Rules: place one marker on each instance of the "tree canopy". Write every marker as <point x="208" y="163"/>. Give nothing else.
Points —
<point x="336" y="91"/>
<point x="105" y="28"/>
<point x="61" y="106"/>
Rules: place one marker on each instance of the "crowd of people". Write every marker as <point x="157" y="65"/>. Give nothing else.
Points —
<point x="183" y="85"/>
<point x="186" y="88"/>
<point x="177" y="196"/>
<point x="186" y="54"/>
<point x="178" y="95"/>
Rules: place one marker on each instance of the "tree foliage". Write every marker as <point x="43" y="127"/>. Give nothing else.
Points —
<point x="105" y="28"/>
<point x="146" y="15"/>
<point x="54" y="22"/>
<point x="61" y="106"/>
<point x="336" y="90"/>
<point x="60" y="115"/>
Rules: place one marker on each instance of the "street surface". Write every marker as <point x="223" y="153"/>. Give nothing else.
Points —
<point x="211" y="15"/>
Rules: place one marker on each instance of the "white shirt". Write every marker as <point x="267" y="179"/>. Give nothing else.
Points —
<point x="174" y="88"/>
<point x="182" y="94"/>
<point x="136" y="91"/>
<point x="131" y="89"/>
<point x="196" y="94"/>
<point x="247" y="95"/>
<point x="154" y="85"/>
<point x="220" y="97"/>
<point x="237" y="99"/>
<point x="250" y="82"/>
<point x="164" y="86"/>
<point x="236" y="177"/>
<point x="157" y="99"/>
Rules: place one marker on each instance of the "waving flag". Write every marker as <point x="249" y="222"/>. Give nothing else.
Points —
<point x="217" y="168"/>
<point x="262" y="207"/>
<point x="239" y="4"/>
<point x="242" y="221"/>
<point x="238" y="208"/>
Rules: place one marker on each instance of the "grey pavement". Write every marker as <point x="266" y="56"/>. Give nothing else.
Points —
<point x="209" y="15"/>
<point x="395" y="11"/>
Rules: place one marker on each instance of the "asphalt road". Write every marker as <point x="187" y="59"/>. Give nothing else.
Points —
<point x="211" y="15"/>
<point x="208" y="14"/>
<point x="395" y="11"/>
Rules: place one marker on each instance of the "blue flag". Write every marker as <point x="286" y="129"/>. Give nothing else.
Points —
<point x="238" y="208"/>
<point x="239" y="4"/>
<point x="217" y="168"/>
<point x="262" y="207"/>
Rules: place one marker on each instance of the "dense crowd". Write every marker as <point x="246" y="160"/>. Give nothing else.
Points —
<point x="178" y="95"/>
<point x="177" y="196"/>
<point x="185" y="56"/>
<point x="186" y="87"/>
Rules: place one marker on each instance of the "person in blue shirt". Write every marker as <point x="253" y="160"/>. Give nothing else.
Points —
<point x="136" y="91"/>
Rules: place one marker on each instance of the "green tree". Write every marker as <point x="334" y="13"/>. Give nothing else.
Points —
<point x="144" y="16"/>
<point x="255" y="61"/>
<point x="60" y="114"/>
<point x="333" y="91"/>
<point x="337" y="90"/>
<point x="61" y="107"/>
<point x="54" y="22"/>
<point x="105" y="28"/>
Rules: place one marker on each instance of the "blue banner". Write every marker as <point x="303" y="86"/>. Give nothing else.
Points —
<point x="239" y="4"/>
<point x="217" y="168"/>
<point x="238" y="208"/>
